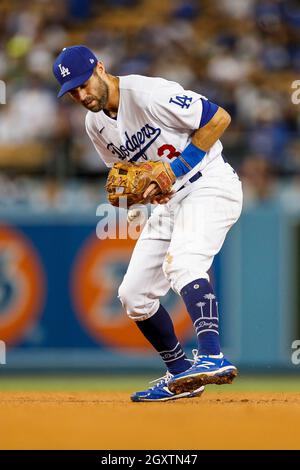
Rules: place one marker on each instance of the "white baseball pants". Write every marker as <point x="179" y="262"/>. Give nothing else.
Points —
<point x="180" y="239"/>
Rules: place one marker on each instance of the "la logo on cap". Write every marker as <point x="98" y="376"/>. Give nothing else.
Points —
<point x="64" y="70"/>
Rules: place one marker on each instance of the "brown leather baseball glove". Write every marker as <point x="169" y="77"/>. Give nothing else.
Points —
<point x="130" y="180"/>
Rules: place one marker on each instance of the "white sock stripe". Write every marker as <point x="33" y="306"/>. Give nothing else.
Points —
<point x="203" y="331"/>
<point x="198" y="319"/>
<point x="211" y="328"/>
<point x="179" y="357"/>
<point x="205" y="318"/>
<point x="171" y="350"/>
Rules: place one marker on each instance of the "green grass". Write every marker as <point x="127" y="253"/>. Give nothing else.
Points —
<point x="131" y="383"/>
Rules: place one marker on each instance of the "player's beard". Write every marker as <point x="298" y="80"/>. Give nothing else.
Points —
<point x="96" y="102"/>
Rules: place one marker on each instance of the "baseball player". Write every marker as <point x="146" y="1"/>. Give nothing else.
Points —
<point x="137" y="119"/>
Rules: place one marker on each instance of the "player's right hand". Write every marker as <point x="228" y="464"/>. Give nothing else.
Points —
<point x="161" y="198"/>
<point x="154" y="196"/>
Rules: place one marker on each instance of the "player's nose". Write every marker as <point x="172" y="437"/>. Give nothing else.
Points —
<point x="82" y="95"/>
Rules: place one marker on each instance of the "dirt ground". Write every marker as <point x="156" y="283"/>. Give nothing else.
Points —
<point x="104" y="420"/>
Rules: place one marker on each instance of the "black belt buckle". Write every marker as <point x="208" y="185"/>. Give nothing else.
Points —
<point x="192" y="179"/>
<point x="195" y="177"/>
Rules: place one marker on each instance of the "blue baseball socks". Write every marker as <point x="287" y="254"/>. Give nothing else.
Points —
<point x="202" y="306"/>
<point x="159" y="331"/>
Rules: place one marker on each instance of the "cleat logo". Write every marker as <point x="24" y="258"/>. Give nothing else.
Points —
<point x="206" y="364"/>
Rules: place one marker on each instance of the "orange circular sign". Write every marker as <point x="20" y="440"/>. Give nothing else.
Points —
<point x="97" y="274"/>
<point x="21" y="285"/>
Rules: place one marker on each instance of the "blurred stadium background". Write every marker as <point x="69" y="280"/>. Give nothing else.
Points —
<point x="58" y="282"/>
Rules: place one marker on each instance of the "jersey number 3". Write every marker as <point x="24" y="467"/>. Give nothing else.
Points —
<point x="167" y="148"/>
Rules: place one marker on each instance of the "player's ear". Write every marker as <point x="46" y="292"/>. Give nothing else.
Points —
<point x="100" y="68"/>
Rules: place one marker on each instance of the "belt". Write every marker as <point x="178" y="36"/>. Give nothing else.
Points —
<point x="192" y="179"/>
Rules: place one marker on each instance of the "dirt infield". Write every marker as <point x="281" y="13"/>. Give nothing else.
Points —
<point x="104" y="420"/>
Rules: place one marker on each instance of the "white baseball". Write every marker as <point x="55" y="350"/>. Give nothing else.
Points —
<point x="133" y="214"/>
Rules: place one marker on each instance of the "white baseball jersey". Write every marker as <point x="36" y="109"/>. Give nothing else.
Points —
<point x="156" y="119"/>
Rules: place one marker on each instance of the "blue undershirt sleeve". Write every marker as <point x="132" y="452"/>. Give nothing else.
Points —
<point x="209" y="109"/>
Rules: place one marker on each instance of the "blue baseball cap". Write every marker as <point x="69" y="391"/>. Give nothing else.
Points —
<point x="73" y="67"/>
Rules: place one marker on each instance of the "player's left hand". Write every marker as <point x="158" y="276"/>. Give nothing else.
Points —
<point x="138" y="183"/>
